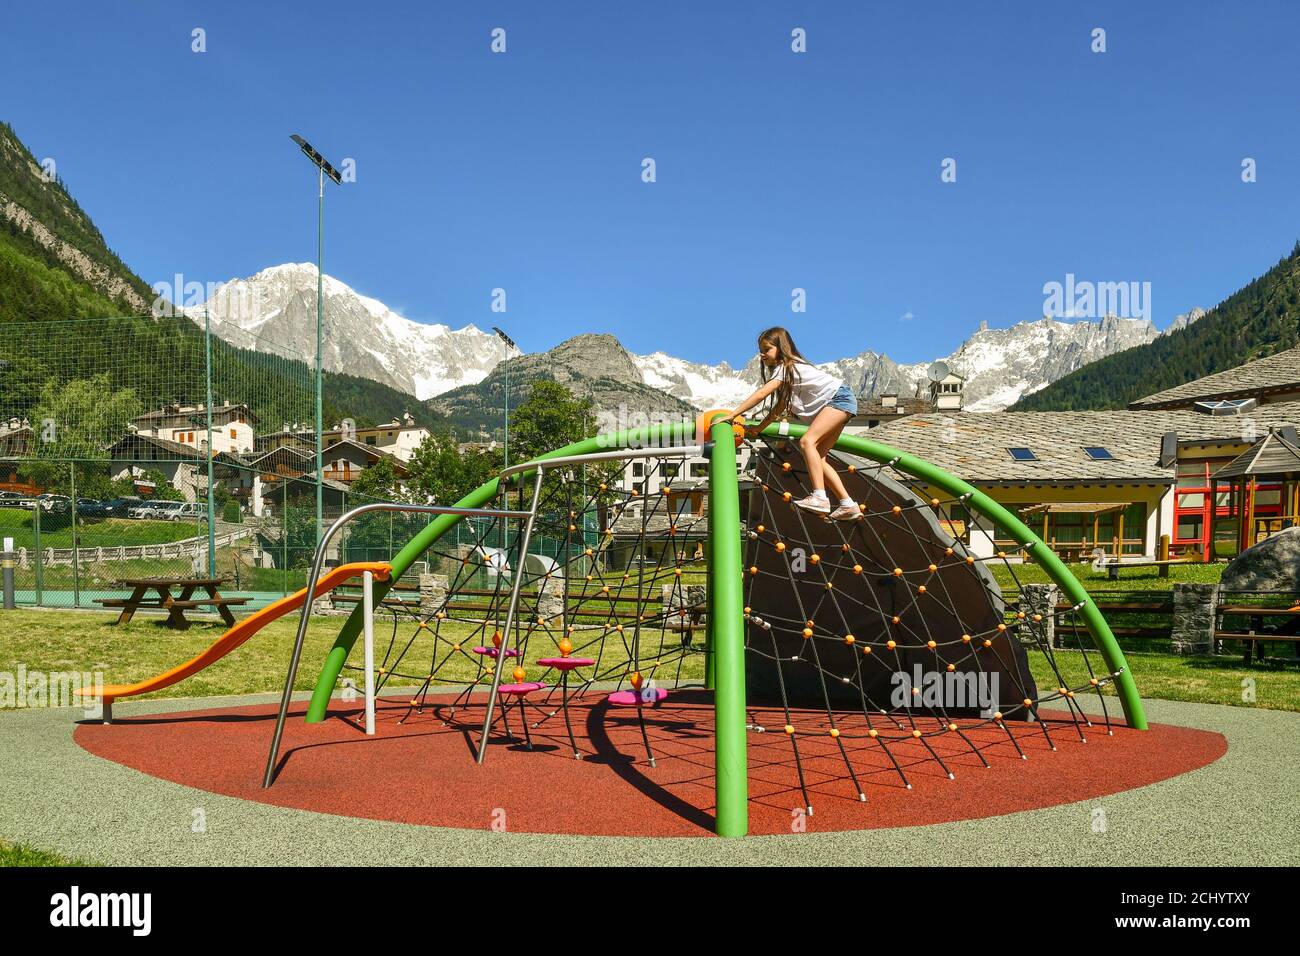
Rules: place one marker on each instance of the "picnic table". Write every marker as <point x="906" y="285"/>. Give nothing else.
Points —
<point x="1113" y="566"/>
<point x="176" y="604"/>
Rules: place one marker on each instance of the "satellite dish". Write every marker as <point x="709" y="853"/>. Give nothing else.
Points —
<point x="938" y="371"/>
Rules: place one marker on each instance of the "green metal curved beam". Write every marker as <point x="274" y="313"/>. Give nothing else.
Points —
<point x="684" y="433"/>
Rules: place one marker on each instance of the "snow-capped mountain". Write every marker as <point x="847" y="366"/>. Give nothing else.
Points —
<point x="999" y="365"/>
<point x="275" y="311"/>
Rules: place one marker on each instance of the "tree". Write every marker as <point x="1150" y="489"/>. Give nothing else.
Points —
<point x="441" y="473"/>
<point x="551" y="417"/>
<point x="379" y="482"/>
<point x="76" y="421"/>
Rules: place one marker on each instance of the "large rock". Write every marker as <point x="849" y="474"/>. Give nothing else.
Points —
<point x="1271" y="565"/>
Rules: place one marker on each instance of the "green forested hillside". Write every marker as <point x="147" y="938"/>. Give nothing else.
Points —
<point x="1257" y="321"/>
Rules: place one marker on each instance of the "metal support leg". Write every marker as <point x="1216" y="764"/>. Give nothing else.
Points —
<point x="510" y="614"/>
<point x="368" y="625"/>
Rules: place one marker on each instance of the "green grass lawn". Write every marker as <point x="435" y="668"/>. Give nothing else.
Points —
<point x="91" y="641"/>
<point x="19" y="854"/>
<point x="1137" y="579"/>
<point x="18" y="523"/>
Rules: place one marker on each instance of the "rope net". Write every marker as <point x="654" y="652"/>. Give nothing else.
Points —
<point x="873" y="646"/>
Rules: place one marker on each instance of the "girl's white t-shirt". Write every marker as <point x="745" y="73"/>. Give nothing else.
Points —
<point x="811" y="392"/>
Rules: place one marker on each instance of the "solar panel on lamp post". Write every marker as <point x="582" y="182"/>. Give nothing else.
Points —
<point x="324" y="168"/>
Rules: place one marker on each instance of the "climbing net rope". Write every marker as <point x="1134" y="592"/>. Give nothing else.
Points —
<point x="905" y="629"/>
<point x="901" y="638"/>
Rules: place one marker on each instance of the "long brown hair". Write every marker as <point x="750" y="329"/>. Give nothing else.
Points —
<point x="787" y="355"/>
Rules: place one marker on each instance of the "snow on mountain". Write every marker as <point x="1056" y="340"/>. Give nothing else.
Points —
<point x="704" y="386"/>
<point x="1000" y="365"/>
<point x="275" y="311"/>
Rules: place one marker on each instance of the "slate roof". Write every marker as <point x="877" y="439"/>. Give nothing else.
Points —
<point x="1271" y="455"/>
<point x="1278" y="372"/>
<point x="974" y="446"/>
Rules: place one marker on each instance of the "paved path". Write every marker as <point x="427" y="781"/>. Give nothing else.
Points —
<point x="1241" y="809"/>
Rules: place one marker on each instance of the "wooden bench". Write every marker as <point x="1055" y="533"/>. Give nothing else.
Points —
<point x="1256" y="636"/>
<point x="1112" y="567"/>
<point x="175" y="605"/>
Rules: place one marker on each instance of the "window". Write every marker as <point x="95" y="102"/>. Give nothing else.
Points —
<point x="1098" y="453"/>
<point x="1022" y="454"/>
<point x="638" y="469"/>
<point x="671" y="469"/>
<point x="370" y="440"/>
<point x="232" y="433"/>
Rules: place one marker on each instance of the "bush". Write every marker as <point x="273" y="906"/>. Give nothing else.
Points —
<point x="231" y="513"/>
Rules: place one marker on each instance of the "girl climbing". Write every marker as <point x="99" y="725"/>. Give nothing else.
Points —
<point x="815" y="398"/>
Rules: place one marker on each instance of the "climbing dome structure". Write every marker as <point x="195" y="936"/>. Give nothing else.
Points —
<point x="642" y="567"/>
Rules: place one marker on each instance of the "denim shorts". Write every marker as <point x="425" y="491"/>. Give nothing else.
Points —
<point x="844" y="400"/>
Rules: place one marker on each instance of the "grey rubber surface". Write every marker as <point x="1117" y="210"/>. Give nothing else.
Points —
<point x="1242" y="809"/>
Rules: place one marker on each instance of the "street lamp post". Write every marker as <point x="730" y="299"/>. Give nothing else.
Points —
<point x="323" y="169"/>
<point x="510" y="343"/>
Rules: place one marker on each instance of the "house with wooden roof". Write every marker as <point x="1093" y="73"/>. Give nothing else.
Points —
<point x="1117" y="480"/>
<point x="399" y="438"/>
<point x="233" y="426"/>
<point x="1272" y="463"/>
<point x="16" y="440"/>
<point x="183" y="465"/>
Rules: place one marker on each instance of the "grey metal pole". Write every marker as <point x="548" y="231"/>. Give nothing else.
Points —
<point x="76" y="551"/>
<point x="212" y="525"/>
<point x="320" y="316"/>
<point x="510" y="614"/>
<point x="7" y="572"/>
<point x="368" y="610"/>
<point x="40" y="558"/>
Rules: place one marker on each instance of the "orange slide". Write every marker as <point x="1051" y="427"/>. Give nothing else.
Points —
<point x="241" y="632"/>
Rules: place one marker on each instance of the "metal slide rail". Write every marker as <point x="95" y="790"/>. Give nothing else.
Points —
<point x="318" y="561"/>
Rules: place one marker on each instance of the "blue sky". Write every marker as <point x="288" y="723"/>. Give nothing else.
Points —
<point x="775" y="170"/>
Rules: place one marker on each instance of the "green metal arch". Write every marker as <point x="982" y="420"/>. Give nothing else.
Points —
<point x="684" y="433"/>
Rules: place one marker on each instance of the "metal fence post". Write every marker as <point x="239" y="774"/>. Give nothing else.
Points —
<point x="76" y="553"/>
<point x="7" y="573"/>
<point x="40" y="558"/>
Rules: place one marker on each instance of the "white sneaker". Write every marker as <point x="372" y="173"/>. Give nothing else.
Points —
<point x="846" y="513"/>
<point x="815" y="503"/>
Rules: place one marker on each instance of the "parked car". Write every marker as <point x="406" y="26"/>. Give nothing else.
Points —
<point x="148" y="509"/>
<point x="54" y="504"/>
<point x="188" y="511"/>
<point x="15" y="499"/>
<point x="90" y="508"/>
<point x="119" y="507"/>
<point x="162" y="510"/>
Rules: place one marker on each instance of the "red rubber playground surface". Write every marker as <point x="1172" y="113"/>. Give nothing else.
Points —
<point x="423" y="771"/>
